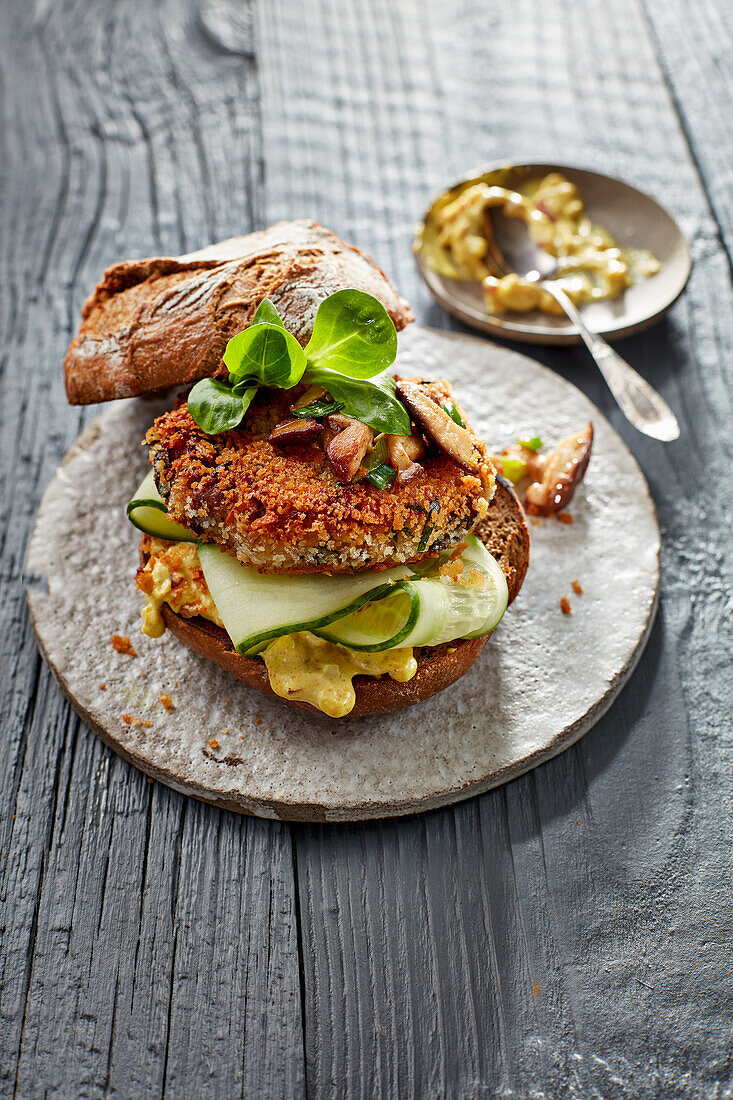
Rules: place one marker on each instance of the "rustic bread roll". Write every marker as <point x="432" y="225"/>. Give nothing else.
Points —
<point x="162" y="322"/>
<point x="505" y="534"/>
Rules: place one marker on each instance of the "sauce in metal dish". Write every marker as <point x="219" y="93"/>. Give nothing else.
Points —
<point x="591" y="265"/>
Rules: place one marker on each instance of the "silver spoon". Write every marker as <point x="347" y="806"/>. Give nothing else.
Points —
<point x="511" y="249"/>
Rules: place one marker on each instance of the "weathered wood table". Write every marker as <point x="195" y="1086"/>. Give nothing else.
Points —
<point x="568" y="935"/>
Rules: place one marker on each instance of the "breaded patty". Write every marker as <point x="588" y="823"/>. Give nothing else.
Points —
<point x="284" y="511"/>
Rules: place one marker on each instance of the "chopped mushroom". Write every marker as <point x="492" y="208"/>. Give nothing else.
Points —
<point x="564" y="468"/>
<point x="313" y="393"/>
<point x="348" y="441"/>
<point x="291" y="433"/>
<point x="435" y="422"/>
<point x="403" y="450"/>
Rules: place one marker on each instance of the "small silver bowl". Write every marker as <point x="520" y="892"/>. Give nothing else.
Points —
<point x="634" y="219"/>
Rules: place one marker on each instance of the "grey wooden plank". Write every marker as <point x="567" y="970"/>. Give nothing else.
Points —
<point x="693" y="43"/>
<point x="567" y="935"/>
<point x="149" y="945"/>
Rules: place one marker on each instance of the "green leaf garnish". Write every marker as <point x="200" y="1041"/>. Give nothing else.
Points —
<point x="532" y="444"/>
<point x="352" y="334"/>
<point x="318" y="409"/>
<point x="266" y="354"/>
<point x="371" y="400"/>
<point x="267" y="314"/>
<point x="215" y="407"/>
<point x="382" y="476"/>
<point x="453" y="413"/>
<point x="354" y="340"/>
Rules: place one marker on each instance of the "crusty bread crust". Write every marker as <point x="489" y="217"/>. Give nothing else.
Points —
<point x="162" y="322"/>
<point x="505" y="533"/>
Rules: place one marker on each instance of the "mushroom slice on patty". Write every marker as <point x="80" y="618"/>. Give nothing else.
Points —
<point x="435" y="422"/>
<point x="292" y="433"/>
<point x="403" y="451"/>
<point x="347" y="446"/>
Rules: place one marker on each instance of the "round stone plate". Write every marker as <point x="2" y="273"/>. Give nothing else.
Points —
<point x="543" y="679"/>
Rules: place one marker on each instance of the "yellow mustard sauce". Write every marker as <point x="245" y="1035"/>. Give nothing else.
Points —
<point x="173" y="575"/>
<point x="312" y="670"/>
<point x="300" y="666"/>
<point x="591" y="265"/>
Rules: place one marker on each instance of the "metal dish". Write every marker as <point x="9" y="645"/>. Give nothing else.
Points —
<point x="636" y="221"/>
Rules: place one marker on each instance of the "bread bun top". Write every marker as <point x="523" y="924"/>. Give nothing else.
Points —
<point x="162" y="321"/>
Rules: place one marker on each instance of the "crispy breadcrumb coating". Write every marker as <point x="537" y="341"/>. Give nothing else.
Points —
<point x="284" y="510"/>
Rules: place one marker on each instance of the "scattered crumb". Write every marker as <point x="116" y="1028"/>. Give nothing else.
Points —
<point x="148" y="779"/>
<point x="175" y="683"/>
<point x="137" y="721"/>
<point x="122" y="644"/>
<point x="226" y="702"/>
<point x="147" y="724"/>
<point x="537" y="521"/>
<point x="258" y="720"/>
<point x="536" y="989"/>
<point x="565" y="605"/>
<point x="166" y="700"/>
<point x="452" y="570"/>
<point x="577" y="588"/>
<point x="564" y="517"/>
<point x="102" y="687"/>
<point x="127" y="718"/>
<point x="224" y="732"/>
<point x="213" y="743"/>
<point x="143" y="673"/>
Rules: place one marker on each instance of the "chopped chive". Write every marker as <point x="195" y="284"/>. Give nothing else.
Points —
<point x="382" y="476"/>
<point x="513" y="468"/>
<point x="427" y="530"/>
<point x="453" y="413"/>
<point x="532" y="444"/>
<point x="317" y="409"/>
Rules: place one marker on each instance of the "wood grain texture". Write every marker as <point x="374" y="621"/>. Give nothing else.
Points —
<point x="568" y="934"/>
<point x="147" y="947"/>
<point x="555" y="937"/>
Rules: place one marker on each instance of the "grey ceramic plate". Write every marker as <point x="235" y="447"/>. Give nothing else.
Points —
<point x="543" y="679"/>
<point x="636" y="221"/>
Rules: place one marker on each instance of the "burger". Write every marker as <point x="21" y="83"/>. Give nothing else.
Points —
<point x="325" y="529"/>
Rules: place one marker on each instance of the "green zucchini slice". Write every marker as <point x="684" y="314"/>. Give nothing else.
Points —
<point x="147" y="512"/>
<point x="426" y="611"/>
<point x="258" y="607"/>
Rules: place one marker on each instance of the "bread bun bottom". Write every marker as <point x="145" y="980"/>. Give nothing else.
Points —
<point x="437" y="668"/>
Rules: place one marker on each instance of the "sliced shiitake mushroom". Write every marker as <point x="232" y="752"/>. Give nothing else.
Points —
<point x="348" y="444"/>
<point x="403" y="451"/>
<point x="313" y="393"/>
<point x="438" y="426"/>
<point x="563" y="470"/>
<point x="291" y="433"/>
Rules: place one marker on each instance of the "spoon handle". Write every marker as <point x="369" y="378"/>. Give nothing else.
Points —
<point x="639" y="402"/>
